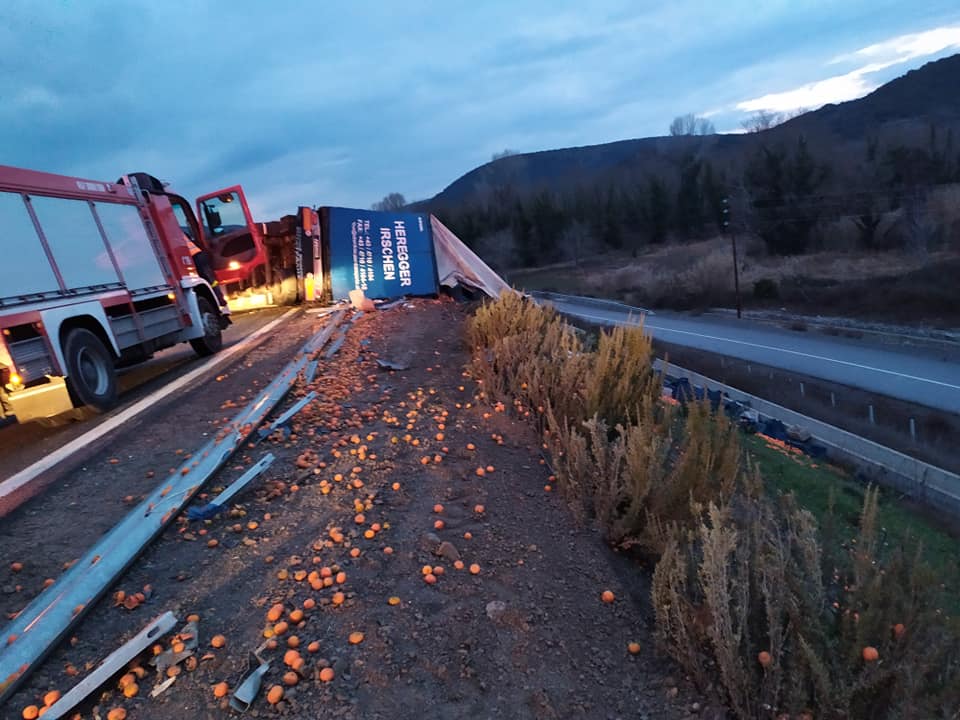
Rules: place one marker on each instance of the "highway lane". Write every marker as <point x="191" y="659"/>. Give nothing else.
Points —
<point x="915" y="375"/>
<point x="22" y="445"/>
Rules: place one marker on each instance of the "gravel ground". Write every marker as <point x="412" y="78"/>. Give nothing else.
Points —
<point x="385" y="473"/>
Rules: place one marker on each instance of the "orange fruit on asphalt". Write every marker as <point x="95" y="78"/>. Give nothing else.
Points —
<point x="481" y="472"/>
<point x="341" y="578"/>
<point x="16" y="566"/>
<point x="458" y="564"/>
<point x="117" y="713"/>
<point x="430" y="579"/>
<point x="290" y="657"/>
<point x="355" y="638"/>
<point x="338" y="598"/>
<point x="325" y="572"/>
<point x="763" y="657"/>
<point x="490" y="468"/>
<point x="275" y="613"/>
<point x="293" y="641"/>
<point x="607" y="596"/>
<point x="633" y="648"/>
<point x="275" y="695"/>
<point x="126" y="680"/>
<point x="212" y="543"/>
<point x="313" y="647"/>
<point x="31" y="712"/>
<point x="326" y="675"/>
<point x="478" y="509"/>
<point x="369" y="535"/>
<point x="870" y="654"/>
<point x="468" y="535"/>
<point x="355" y="552"/>
<point x="437" y="570"/>
<point x="547" y="488"/>
<point x="474" y="569"/>
<point x="280" y="628"/>
<point x="426" y="569"/>
<point x="359" y="519"/>
<point x="395" y="486"/>
<point x="439" y="525"/>
<point x="290" y="678"/>
<point x="130" y="690"/>
<point x="471" y="446"/>
<point x="220" y="690"/>
<point x="438" y="508"/>
<point x="296" y="616"/>
<point x="899" y="630"/>
<point x="309" y="603"/>
<point x="388" y="550"/>
<point x="218" y="641"/>
<point x="178" y="647"/>
<point x="393" y="600"/>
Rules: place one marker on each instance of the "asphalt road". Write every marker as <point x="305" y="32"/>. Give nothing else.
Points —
<point x="912" y="374"/>
<point x="21" y="445"/>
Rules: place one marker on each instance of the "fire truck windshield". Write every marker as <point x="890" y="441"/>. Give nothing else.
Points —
<point x="223" y="214"/>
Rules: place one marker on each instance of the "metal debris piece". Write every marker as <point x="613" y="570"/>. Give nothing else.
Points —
<point x="283" y="419"/>
<point x="168" y="658"/>
<point x="159" y="689"/>
<point x="218" y="503"/>
<point x="112" y="664"/>
<point x="317" y="342"/>
<point x="246" y="692"/>
<point x="390" y="365"/>
<point x="335" y="345"/>
<point x="311" y="371"/>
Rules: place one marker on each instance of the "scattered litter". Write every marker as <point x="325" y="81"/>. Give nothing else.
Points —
<point x="361" y="301"/>
<point x="311" y="371"/>
<point x="246" y="692"/>
<point x="112" y="664"/>
<point x="334" y="346"/>
<point x="168" y="658"/>
<point x="217" y="504"/>
<point x="159" y="689"/>
<point x="390" y="365"/>
<point x="283" y="419"/>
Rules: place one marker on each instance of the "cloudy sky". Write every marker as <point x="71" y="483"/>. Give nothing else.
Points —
<point x="340" y="103"/>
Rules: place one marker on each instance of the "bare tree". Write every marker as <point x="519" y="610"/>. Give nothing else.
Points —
<point x="502" y="154"/>
<point x="392" y="202"/>
<point x="766" y="119"/>
<point x="690" y="124"/>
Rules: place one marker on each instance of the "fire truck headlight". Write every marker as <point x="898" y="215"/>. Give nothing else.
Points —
<point x="234" y="265"/>
<point x="15" y="379"/>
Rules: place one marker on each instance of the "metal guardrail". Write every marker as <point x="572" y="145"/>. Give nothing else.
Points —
<point x="595" y="302"/>
<point x="928" y="483"/>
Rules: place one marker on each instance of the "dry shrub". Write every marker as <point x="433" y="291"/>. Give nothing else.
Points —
<point x="751" y="582"/>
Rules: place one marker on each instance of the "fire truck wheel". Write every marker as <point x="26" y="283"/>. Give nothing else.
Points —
<point x="90" y="370"/>
<point x="212" y="339"/>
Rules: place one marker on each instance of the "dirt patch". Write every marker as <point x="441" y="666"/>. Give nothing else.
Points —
<point x="527" y="636"/>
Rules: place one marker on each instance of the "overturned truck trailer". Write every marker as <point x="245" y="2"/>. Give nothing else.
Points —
<point x="321" y="255"/>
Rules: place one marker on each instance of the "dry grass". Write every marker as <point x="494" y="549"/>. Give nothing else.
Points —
<point x="737" y="573"/>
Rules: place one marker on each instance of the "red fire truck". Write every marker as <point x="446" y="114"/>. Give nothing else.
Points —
<point x="98" y="275"/>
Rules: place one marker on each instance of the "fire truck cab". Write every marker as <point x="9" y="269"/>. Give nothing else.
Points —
<point x="98" y="275"/>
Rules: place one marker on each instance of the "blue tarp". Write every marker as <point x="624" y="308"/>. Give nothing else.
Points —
<point x="385" y="254"/>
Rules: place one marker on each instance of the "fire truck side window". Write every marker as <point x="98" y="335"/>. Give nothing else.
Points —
<point x="75" y="241"/>
<point x="182" y="220"/>
<point x="223" y="214"/>
<point x="25" y="269"/>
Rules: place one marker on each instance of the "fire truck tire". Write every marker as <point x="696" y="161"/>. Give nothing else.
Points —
<point x="91" y="378"/>
<point x="212" y="340"/>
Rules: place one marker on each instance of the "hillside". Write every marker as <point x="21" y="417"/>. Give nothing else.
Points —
<point x="902" y="110"/>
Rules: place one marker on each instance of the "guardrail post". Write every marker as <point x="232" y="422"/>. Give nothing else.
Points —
<point x="802" y="393"/>
<point x="833" y="400"/>
<point x="913" y="429"/>
<point x="873" y="420"/>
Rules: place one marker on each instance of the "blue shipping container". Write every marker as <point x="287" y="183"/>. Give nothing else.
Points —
<point x="385" y="254"/>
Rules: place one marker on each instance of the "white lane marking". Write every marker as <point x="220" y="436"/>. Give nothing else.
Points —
<point x="15" y="482"/>
<point x="588" y="316"/>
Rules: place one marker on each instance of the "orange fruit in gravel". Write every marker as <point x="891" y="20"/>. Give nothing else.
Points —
<point x="296" y="616"/>
<point x="471" y="446"/>
<point x="870" y="654"/>
<point x="178" y="647"/>
<point x="388" y="550"/>
<point x="355" y="638"/>
<point x="220" y="690"/>
<point x="490" y="468"/>
<point x="355" y="552"/>
<point x="280" y="628"/>
<point x="547" y="488"/>
<point x="212" y="543"/>
<point x="130" y="690"/>
<point x="426" y="569"/>
<point x="275" y="613"/>
<point x="218" y="641"/>
<point x="478" y="509"/>
<point x="275" y="695"/>
<point x="395" y="486"/>
<point x="16" y="566"/>
<point x="290" y="656"/>
<point x="117" y="713"/>
<point x="341" y="578"/>
<point x="607" y="596"/>
<point x="468" y="536"/>
<point x="430" y="579"/>
<point x="326" y="675"/>
<point x="393" y="600"/>
<point x="313" y="647"/>
<point x="126" y="680"/>
<point x="290" y="678"/>
<point x="438" y="508"/>
<point x="458" y="564"/>
<point x="31" y="712"/>
<point x="293" y="641"/>
<point x="309" y="603"/>
<point x="481" y="472"/>
<point x="763" y="657"/>
<point x="633" y="648"/>
<point x="369" y="535"/>
<point x="376" y="527"/>
<point x="474" y="569"/>
<point x="325" y="572"/>
<point x="438" y="525"/>
<point x="338" y="598"/>
<point x="360" y="519"/>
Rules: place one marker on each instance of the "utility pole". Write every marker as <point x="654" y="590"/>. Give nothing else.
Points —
<point x="733" y="241"/>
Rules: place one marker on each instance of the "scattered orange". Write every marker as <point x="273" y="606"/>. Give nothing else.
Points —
<point x="438" y="525"/>
<point x="607" y="596"/>
<point x="31" y="712"/>
<point x="430" y="579"/>
<point x="193" y="617"/>
<point x="293" y="641"/>
<point x="478" y="509"/>
<point x="870" y="654"/>
<point x="275" y="695"/>
<point x="290" y="678"/>
<point x="117" y="713"/>
<point x="309" y="603"/>
<point x="16" y="566"/>
<point x="355" y="638"/>
<point x="275" y="613"/>
<point x="296" y="616"/>
<point x="633" y="648"/>
<point x="474" y="569"/>
<point x="458" y="564"/>
<point x="438" y="508"/>
<point x="220" y="690"/>
<point x="393" y="600"/>
<point x="280" y="628"/>
<point x="290" y="657"/>
<point x="326" y="675"/>
<point x="338" y="598"/>
<point x="129" y="691"/>
<point x="313" y="647"/>
<point x="218" y="641"/>
<point x="426" y="569"/>
<point x="764" y="658"/>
